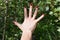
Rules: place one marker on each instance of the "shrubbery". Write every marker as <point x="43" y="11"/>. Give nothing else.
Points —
<point x="47" y="29"/>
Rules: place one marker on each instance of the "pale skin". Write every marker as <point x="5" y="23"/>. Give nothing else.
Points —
<point x="29" y="24"/>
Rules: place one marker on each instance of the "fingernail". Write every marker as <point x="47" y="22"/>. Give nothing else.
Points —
<point x="43" y="14"/>
<point x="31" y="4"/>
<point x="36" y="7"/>
<point x="24" y="6"/>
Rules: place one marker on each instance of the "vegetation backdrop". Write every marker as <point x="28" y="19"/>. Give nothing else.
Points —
<point x="47" y="29"/>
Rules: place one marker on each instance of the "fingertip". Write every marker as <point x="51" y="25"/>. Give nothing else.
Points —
<point x="36" y="6"/>
<point x="31" y="4"/>
<point x="13" y="21"/>
<point x="25" y="6"/>
<point x="43" y="14"/>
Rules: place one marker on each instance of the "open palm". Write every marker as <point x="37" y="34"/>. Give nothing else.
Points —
<point x="30" y="22"/>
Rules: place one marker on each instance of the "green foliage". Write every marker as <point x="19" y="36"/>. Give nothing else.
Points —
<point x="47" y="29"/>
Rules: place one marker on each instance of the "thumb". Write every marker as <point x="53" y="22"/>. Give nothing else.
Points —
<point x="17" y="24"/>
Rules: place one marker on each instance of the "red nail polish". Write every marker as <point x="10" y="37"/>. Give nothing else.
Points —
<point x="36" y="6"/>
<point x="24" y="6"/>
<point x="31" y="4"/>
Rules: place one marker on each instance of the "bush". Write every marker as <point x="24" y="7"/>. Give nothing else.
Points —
<point x="47" y="29"/>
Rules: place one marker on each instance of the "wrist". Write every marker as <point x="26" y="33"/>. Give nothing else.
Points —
<point x="27" y="32"/>
<point x="26" y="35"/>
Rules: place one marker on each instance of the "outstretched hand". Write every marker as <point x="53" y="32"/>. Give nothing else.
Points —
<point x="30" y="22"/>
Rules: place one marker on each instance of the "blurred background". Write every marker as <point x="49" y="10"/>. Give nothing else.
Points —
<point x="47" y="29"/>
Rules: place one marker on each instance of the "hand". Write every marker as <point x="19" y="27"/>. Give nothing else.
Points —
<point x="30" y="22"/>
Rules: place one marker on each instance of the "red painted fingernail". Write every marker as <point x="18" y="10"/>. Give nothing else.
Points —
<point x="24" y="6"/>
<point x="31" y="4"/>
<point x="36" y="7"/>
